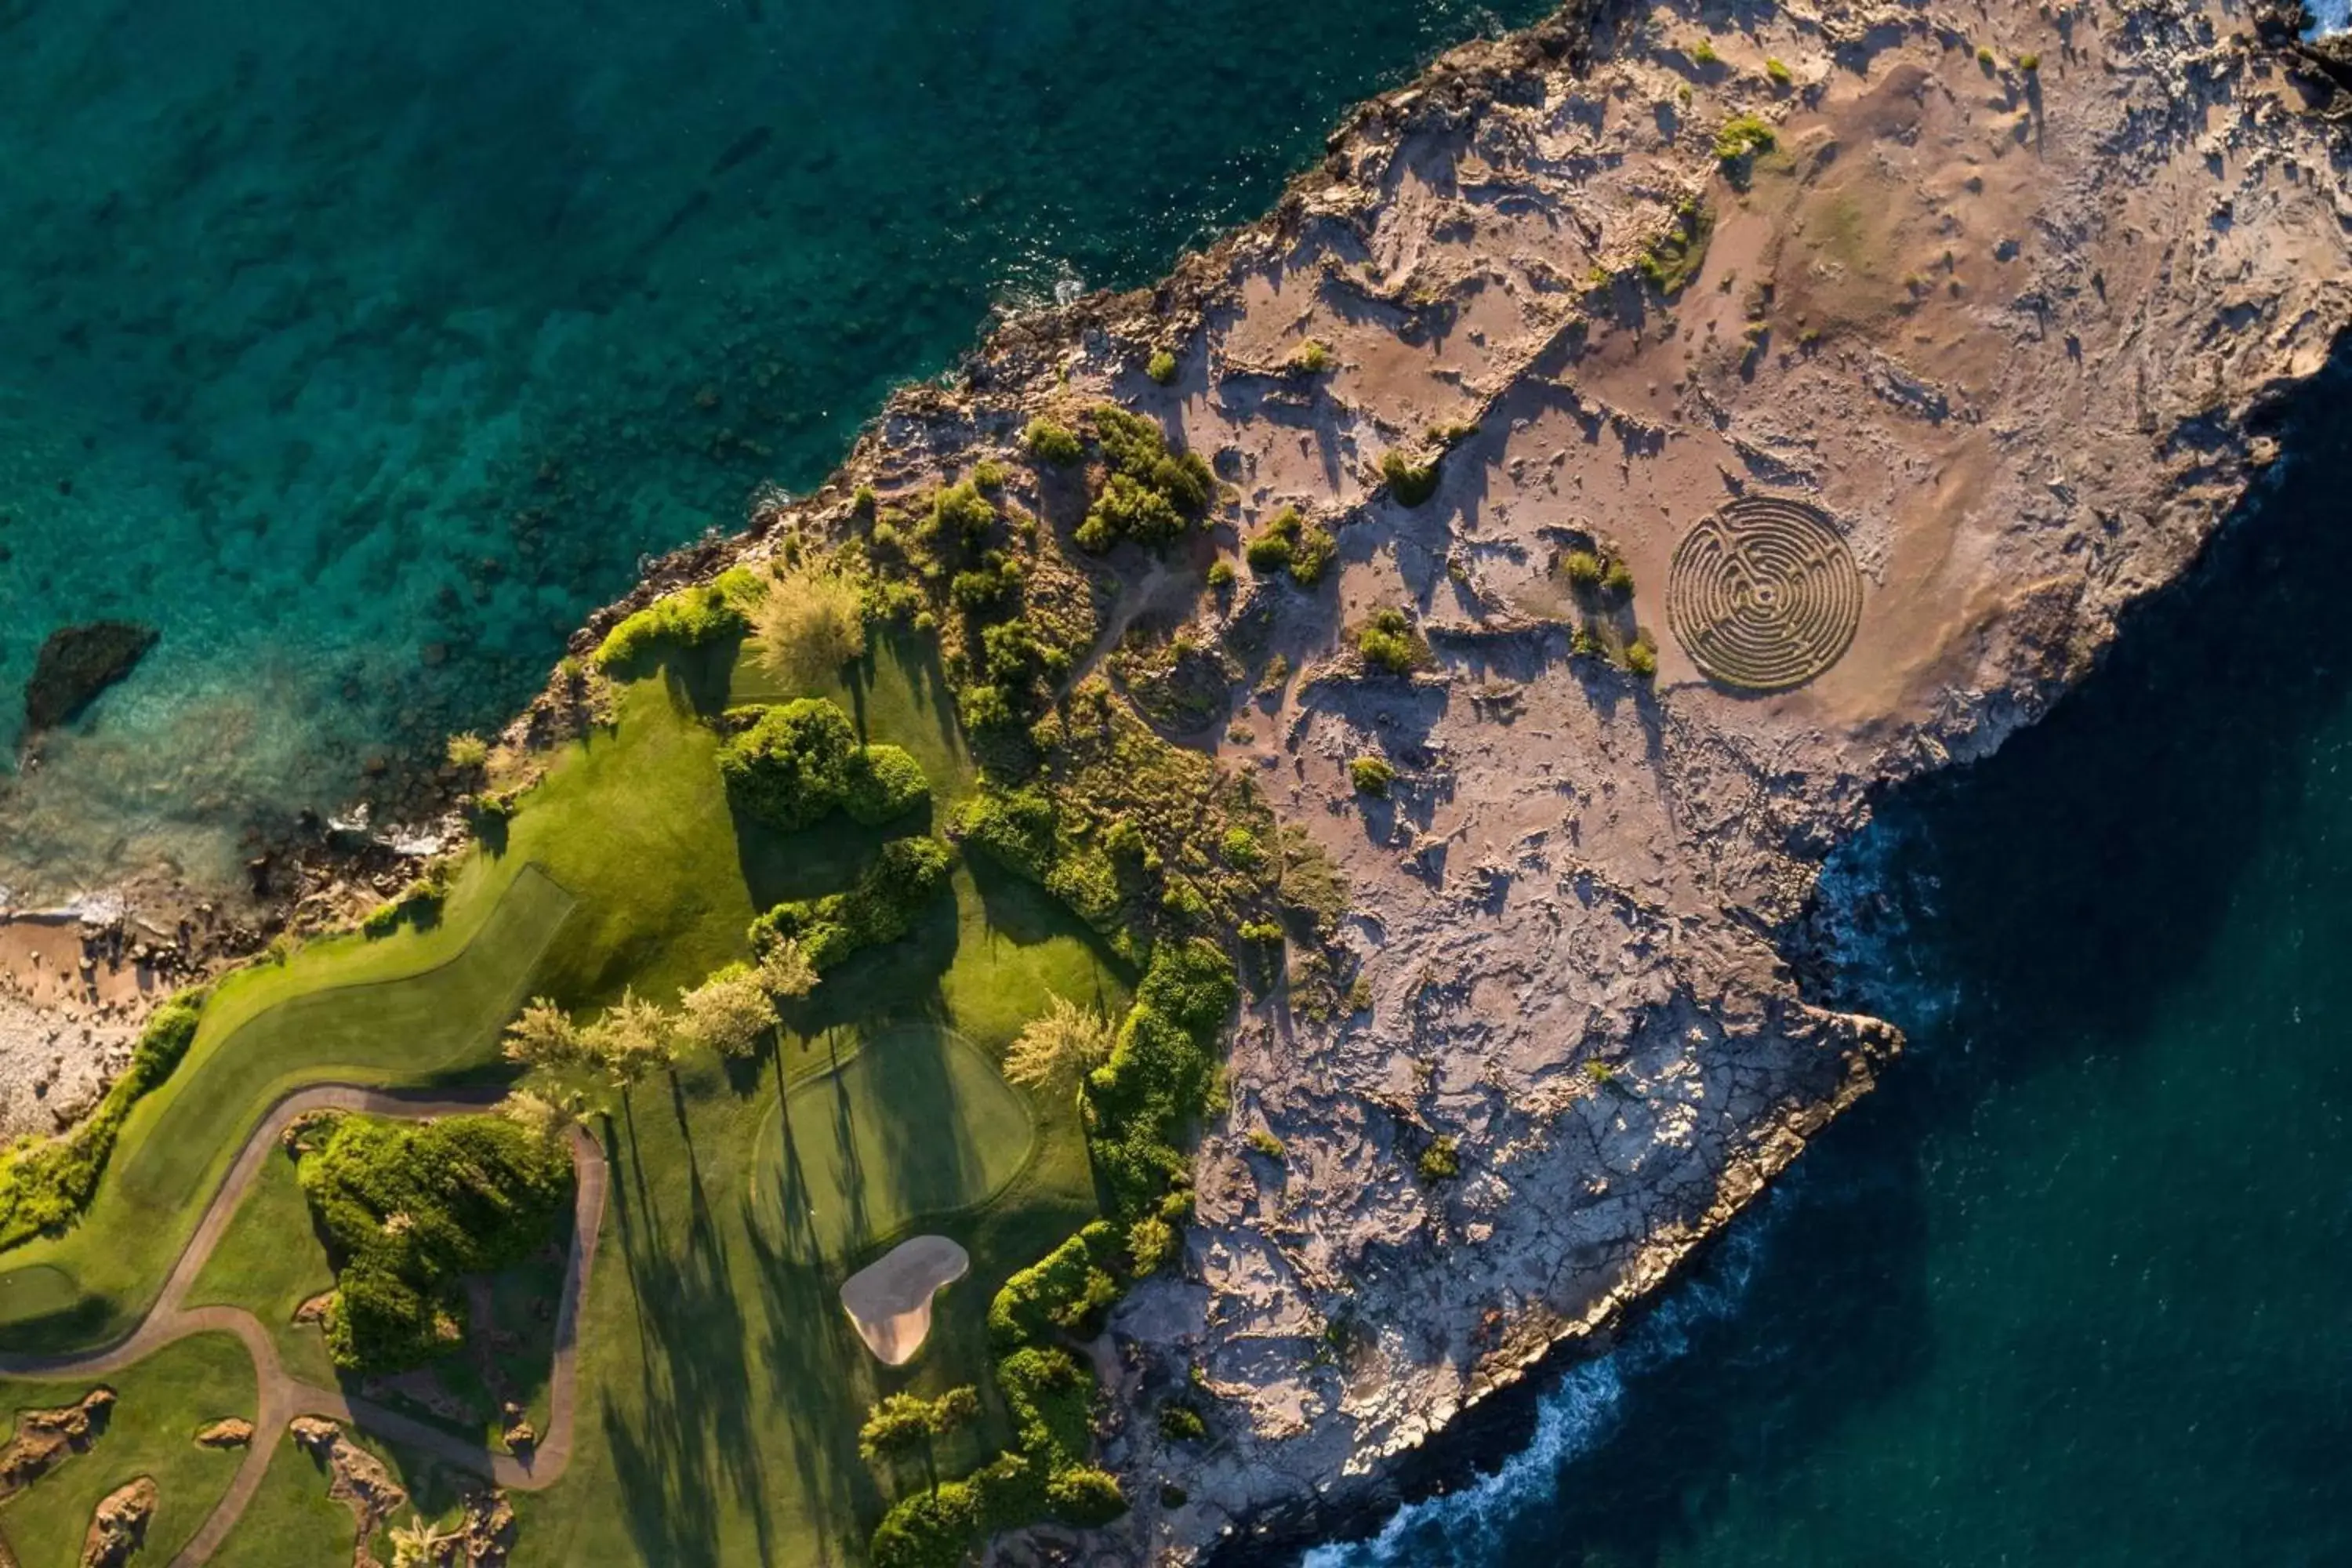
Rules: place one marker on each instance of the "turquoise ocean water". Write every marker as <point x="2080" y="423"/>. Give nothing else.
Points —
<point x="361" y="348"/>
<point x="2071" y="1288"/>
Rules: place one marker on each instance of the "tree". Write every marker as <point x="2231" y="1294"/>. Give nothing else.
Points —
<point x="543" y="1117"/>
<point x="544" y="1036"/>
<point x="808" y="626"/>
<point x="904" y="1423"/>
<point x="421" y="1544"/>
<point x="785" y="971"/>
<point x="1055" y="1049"/>
<point x="632" y="1039"/>
<point x="730" y="1013"/>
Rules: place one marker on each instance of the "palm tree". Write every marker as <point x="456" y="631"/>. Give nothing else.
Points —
<point x="1056" y="1048"/>
<point x="420" y="1545"/>
<point x="633" y="1037"/>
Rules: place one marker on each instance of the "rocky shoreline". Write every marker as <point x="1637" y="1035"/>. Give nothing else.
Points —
<point x="2002" y="292"/>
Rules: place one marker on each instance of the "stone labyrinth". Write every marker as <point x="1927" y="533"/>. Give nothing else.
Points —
<point x="1764" y="594"/>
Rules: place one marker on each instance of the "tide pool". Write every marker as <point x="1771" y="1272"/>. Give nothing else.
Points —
<point x="361" y="349"/>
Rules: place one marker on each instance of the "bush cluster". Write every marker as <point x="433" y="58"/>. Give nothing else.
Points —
<point x="407" y="1209"/>
<point x="796" y="763"/>
<point x="1051" y="443"/>
<point x="879" y="907"/>
<point x="44" y="1184"/>
<point x="1411" y="483"/>
<point x="1289" y="542"/>
<point x="1388" y="642"/>
<point x="690" y="617"/>
<point x="1743" y="136"/>
<point x="1150" y="495"/>
<point x="1372" y="775"/>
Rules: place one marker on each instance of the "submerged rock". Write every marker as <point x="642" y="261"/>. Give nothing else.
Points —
<point x="77" y="663"/>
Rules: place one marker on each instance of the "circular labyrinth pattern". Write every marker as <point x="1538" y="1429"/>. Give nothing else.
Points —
<point x="1764" y="594"/>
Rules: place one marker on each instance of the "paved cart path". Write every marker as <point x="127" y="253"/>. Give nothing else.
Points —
<point x="281" y="1397"/>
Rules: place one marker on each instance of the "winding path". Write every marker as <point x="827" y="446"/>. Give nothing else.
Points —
<point x="279" y="1397"/>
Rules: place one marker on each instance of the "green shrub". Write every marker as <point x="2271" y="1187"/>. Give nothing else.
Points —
<point x="1221" y="576"/>
<point x="1161" y="367"/>
<point x="1411" y="483"/>
<point x="1065" y="1289"/>
<point x="883" y="783"/>
<point x="44" y="1184"/>
<point x="1312" y="357"/>
<point x="1052" y="443"/>
<point x="1778" y="71"/>
<point x="1985" y="56"/>
<point x="381" y="920"/>
<point x="1617" y="578"/>
<point x="790" y="766"/>
<point x="1242" y="849"/>
<point x="1084" y="1495"/>
<point x="1441" y="1162"/>
<point x="880" y="907"/>
<point x="1581" y="568"/>
<point x="467" y="752"/>
<point x="1372" y="775"/>
<point x="1741" y="137"/>
<point x="1268" y="550"/>
<point x="1180" y="1422"/>
<point x="1151" y="494"/>
<point x="690" y="617"/>
<point x="408" y="1208"/>
<point x="2029" y="63"/>
<point x="1703" y="52"/>
<point x="1642" y="656"/>
<point x="1311" y="554"/>
<point x="1268" y="1144"/>
<point x="1388" y="642"/>
<point x="988" y="476"/>
<point x="796" y="763"/>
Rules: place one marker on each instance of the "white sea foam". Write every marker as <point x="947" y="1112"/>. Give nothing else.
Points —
<point x="1471" y="1526"/>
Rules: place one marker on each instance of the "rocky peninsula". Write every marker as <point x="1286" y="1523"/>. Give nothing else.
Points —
<point x="1648" y="436"/>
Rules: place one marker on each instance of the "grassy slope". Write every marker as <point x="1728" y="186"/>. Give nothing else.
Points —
<point x="721" y="1384"/>
<point x="269" y="1262"/>
<point x="163" y="1402"/>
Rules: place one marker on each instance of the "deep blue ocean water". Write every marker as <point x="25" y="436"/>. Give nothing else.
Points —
<point x="2072" y="1287"/>
<point x="361" y="348"/>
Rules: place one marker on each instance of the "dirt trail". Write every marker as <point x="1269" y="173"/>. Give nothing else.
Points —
<point x="281" y="1397"/>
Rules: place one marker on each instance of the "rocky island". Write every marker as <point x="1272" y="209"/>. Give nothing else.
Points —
<point x="1422" y="654"/>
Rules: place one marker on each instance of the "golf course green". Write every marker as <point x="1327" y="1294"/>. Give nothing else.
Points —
<point x="719" y="1388"/>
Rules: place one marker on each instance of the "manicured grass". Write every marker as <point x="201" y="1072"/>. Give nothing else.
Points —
<point x="720" y="1385"/>
<point x="292" y="1523"/>
<point x="269" y="1262"/>
<point x="161" y="1404"/>
<point x="915" y="1124"/>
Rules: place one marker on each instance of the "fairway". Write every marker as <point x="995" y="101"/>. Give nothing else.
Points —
<point x="916" y="1124"/>
<point x="415" y="1027"/>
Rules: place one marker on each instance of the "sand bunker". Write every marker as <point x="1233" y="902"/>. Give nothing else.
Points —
<point x="1764" y="594"/>
<point x="890" y="1300"/>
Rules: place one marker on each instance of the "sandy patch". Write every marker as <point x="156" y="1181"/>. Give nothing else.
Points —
<point x="890" y="1300"/>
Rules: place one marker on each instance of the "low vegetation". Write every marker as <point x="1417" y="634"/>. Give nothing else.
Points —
<point x="1161" y="367"/>
<point x="808" y="624"/>
<point x="1675" y="258"/>
<point x="1441" y="1162"/>
<point x="44" y="1182"/>
<point x="1410" y="481"/>
<point x="1288" y="542"/>
<point x="1051" y="443"/>
<point x="1390" y="643"/>
<point x="687" y="618"/>
<point x="1312" y="357"/>
<point x="1371" y="776"/>
<point x="1150" y="493"/>
<point x="880" y="907"/>
<point x="794" y="764"/>
<point x="408" y="1209"/>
